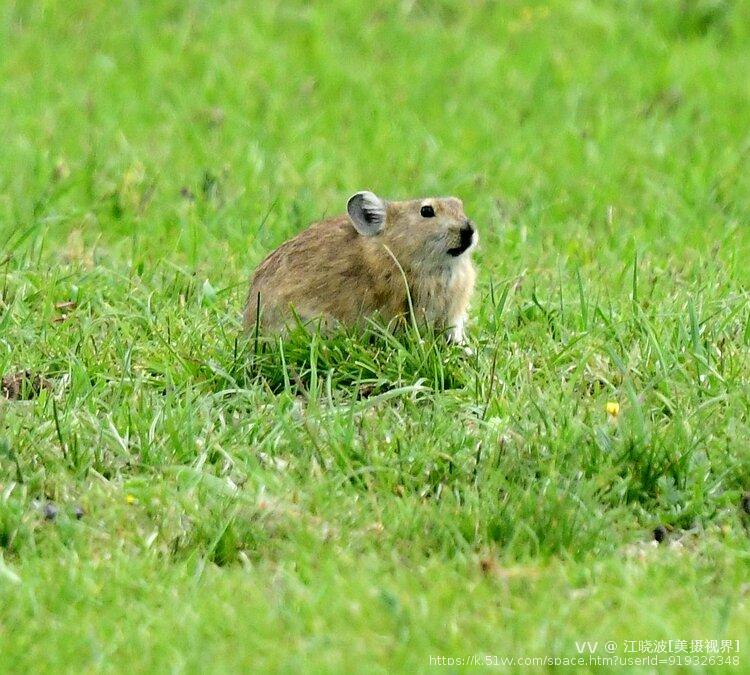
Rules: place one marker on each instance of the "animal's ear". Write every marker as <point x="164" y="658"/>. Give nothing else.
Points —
<point x="367" y="213"/>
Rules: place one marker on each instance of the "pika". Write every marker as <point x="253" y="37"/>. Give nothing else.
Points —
<point x="384" y="258"/>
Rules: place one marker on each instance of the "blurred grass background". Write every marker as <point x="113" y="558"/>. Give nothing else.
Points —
<point x="547" y="116"/>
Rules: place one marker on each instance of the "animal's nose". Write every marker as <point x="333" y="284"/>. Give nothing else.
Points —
<point x="467" y="234"/>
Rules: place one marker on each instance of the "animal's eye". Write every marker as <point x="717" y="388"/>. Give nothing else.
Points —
<point x="427" y="212"/>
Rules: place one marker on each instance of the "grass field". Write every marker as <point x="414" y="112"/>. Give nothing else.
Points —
<point x="174" y="499"/>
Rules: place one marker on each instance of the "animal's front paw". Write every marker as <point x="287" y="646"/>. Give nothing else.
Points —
<point x="456" y="338"/>
<point x="456" y="334"/>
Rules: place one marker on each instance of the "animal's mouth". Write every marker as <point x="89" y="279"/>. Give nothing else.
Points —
<point x="467" y="238"/>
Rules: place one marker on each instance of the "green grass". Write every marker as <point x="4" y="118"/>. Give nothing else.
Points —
<point x="368" y="501"/>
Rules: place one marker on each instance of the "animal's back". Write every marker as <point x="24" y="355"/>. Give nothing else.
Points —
<point x="326" y="270"/>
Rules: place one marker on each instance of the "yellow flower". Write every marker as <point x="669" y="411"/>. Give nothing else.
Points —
<point x="612" y="408"/>
<point x="130" y="499"/>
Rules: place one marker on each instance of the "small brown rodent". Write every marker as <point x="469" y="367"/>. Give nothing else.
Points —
<point x="371" y="262"/>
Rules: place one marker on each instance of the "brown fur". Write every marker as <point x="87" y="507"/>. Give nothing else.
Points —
<point x="334" y="272"/>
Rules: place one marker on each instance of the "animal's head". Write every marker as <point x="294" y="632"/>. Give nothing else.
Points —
<point x="424" y="232"/>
